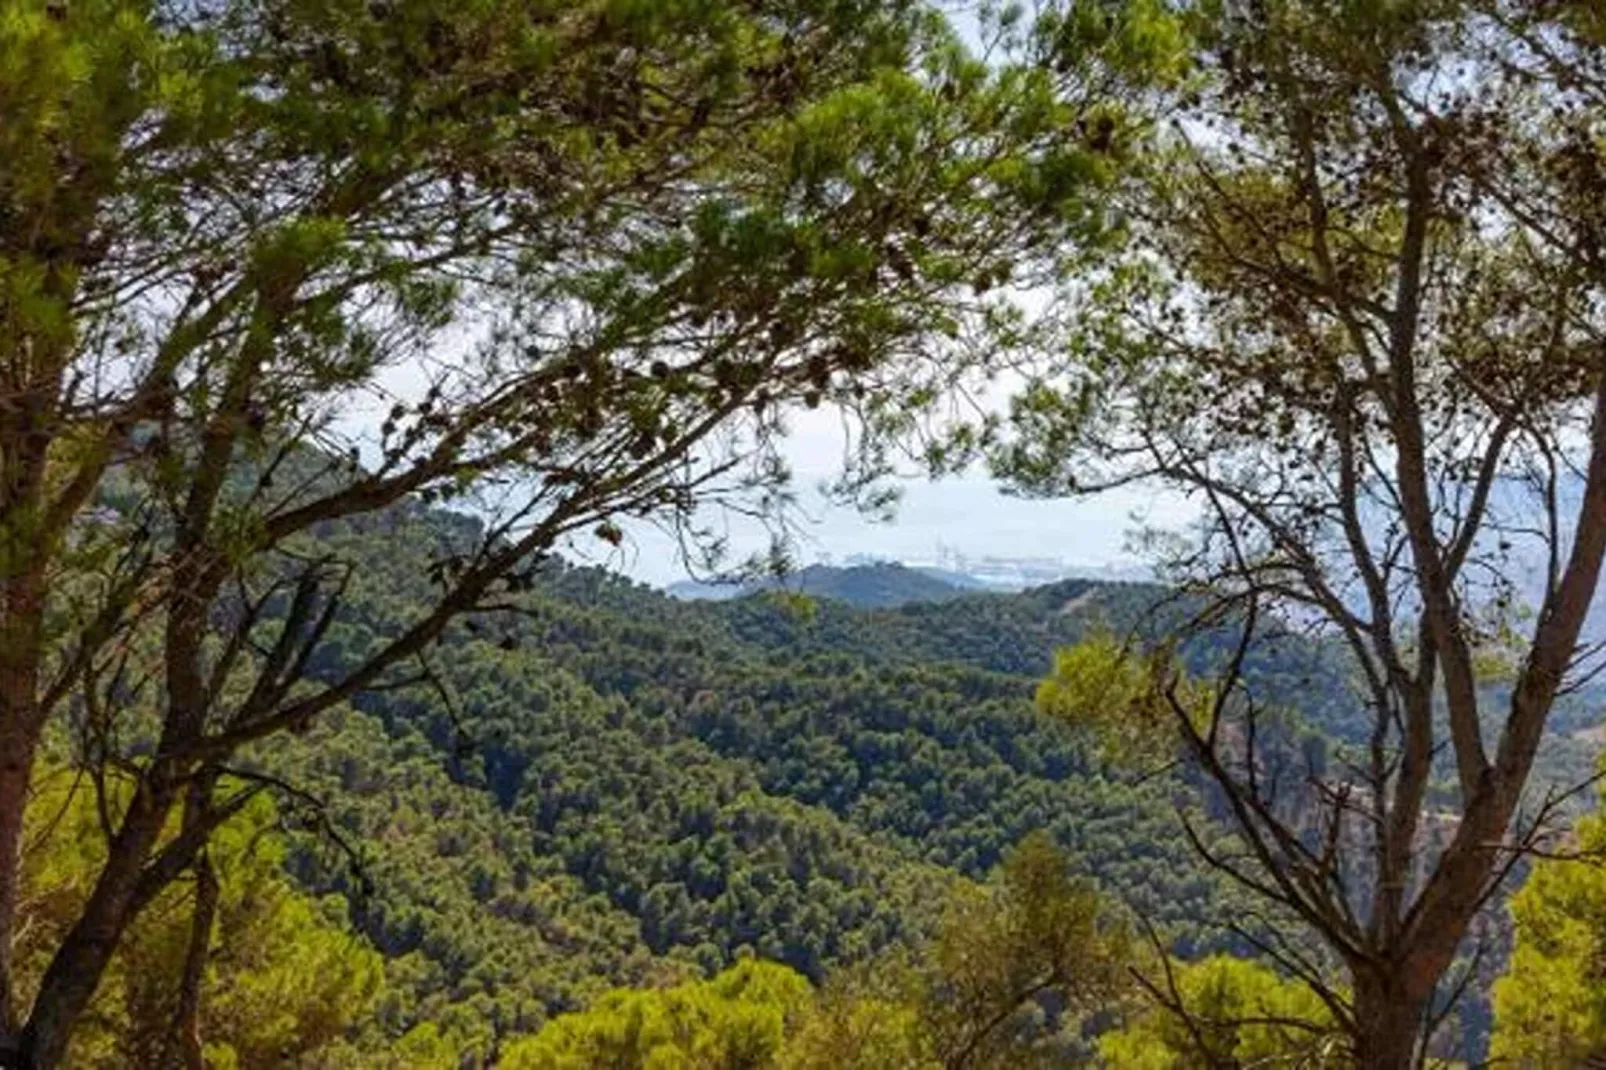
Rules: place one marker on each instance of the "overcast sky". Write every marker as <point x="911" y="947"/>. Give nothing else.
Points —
<point x="968" y="516"/>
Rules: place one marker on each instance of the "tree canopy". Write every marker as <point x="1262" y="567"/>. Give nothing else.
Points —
<point x="326" y="326"/>
<point x="1359" y="328"/>
<point x="271" y="265"/>
<point x="283" y="974"/>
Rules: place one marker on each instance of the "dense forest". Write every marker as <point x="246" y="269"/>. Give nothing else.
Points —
<point x="754" y="777"/>
<point x="609" y="787"/>
<point x="605" y="788"/>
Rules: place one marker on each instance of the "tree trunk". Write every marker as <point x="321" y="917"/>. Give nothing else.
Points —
<point x="19" y="738"/>
<point x="16" y="762"/>
<point x="21" y="611"/>
<point x="1388" y="1021"/>
<point x="75" y="971"/>
<point x="186" y="1038"/>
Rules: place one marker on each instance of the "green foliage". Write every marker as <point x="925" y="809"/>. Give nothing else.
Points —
<point x="1128" y="700"/>
<point x="1002" y="986"/>
<point x="1015" y="969"/>
<point x="1325" y="336"/>
<point x="850" y="1028"/>
<point x="644" y="233"/>
<point x="612" y="788"/>
<point x="1036" y="935"/>
<point x="625" y="727"/>
<point x="736" y="1021"/>
<point x="1233" y="1013"/>
<point x="285" y="976"/>
<point x="483" y="935"/>
<point x="1550" y="1006"/>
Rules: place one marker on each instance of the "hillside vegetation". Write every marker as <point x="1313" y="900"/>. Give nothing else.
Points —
<point x="611" y="787"/>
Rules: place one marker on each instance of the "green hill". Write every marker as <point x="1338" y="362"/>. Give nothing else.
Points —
<point x="604" y="785"/>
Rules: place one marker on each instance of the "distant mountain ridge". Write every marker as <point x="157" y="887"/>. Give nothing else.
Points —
<point x="883" y="585"/>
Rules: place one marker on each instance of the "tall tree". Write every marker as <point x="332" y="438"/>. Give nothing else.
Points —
<point x="574" y="260"/>
<point x="1366" y="339"/>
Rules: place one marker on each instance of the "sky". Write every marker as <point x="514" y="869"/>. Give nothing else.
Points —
<point x="966" y="516"/>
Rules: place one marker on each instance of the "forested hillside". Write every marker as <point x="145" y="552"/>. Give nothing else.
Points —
<point x="604" y="785"/>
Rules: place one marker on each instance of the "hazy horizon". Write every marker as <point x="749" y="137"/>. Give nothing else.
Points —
<point x="965" y="517"/>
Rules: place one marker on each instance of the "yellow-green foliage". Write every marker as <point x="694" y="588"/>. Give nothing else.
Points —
<point x="849" y="1030"/>
<point x="736" y="1021"/>
<point x="977" y="997"/>
<point x="1123" y="697"/>
<point x="1550" y="1007"/>
<point x="1033" y="939"/>
<point x="1036" y="932"/>
<point x="1243" y="1014"/>
<point x="285" y="976"/>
